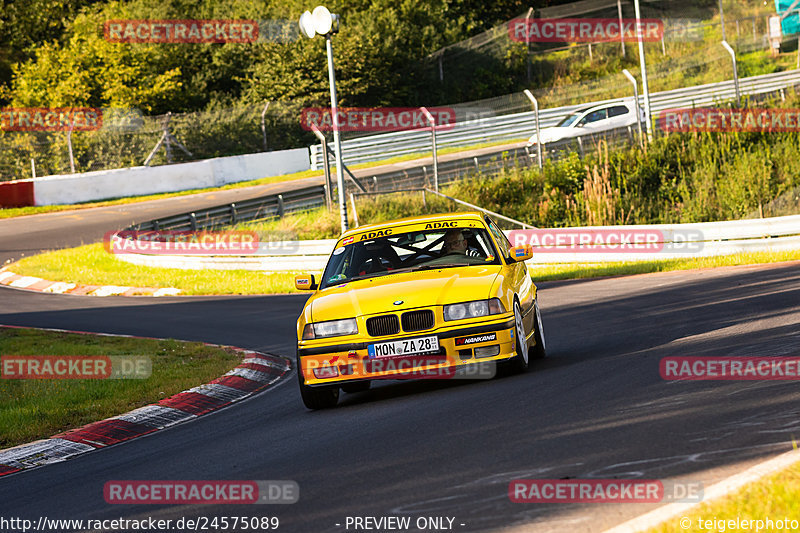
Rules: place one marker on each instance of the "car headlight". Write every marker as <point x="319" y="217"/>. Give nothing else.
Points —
<point x="474" y="309"/>
<point x="331" y="328"/>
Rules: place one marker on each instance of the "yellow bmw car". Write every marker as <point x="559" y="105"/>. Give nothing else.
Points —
<point x="416" y="297"/>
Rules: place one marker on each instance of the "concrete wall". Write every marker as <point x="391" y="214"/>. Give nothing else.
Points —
<point x="138" y="181"/>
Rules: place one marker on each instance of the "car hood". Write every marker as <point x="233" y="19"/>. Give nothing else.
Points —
<point x="415" y="289"/>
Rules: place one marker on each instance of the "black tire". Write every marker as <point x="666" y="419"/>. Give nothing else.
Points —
<point x="317" y="397"/>
<point x="356" y="386"/>
<point x="538" y="350"/>
<point x="519" y="363"/>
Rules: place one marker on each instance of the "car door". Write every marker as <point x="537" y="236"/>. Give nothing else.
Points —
<point x="594" y="121"/>
<point x="620" y="116"/>
<point x="518" y="274"/>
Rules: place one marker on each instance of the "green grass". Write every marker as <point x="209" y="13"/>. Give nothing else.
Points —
<point x="32" y="409"/>
<point x="773" y="497"/>
<point x="92" y="265"/>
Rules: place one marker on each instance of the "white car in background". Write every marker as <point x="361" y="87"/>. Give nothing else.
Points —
<point x="591" y="120"/>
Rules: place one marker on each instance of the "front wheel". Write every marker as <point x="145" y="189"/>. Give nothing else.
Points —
<point x="538" y="350"/>
<point x="519" y="363"/>
<point x="317" y="397"/>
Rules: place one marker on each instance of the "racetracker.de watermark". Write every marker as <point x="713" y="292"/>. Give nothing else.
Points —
<point x="181" y="242"/>
<point x="69" y="119"/>
<point x="603" y="491"/>
<point x="733" y="368"/>
<point x="75" y="367"/>
<point x="710" y="119"/>
<point x="377" y="118"/>
<point x="200" y="31"/>
<point x="406" y="367"/>
<point x="201" y="492"/>
<point x="622" y="240"/>
<point x="584" y="30"/>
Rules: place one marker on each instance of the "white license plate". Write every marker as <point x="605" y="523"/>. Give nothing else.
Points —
<point x="415" y="346"/>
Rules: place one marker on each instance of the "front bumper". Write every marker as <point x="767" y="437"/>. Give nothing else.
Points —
<point x="340" y="363"/>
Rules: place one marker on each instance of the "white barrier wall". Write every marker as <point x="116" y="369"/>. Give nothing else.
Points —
<point x="138" y="181"/>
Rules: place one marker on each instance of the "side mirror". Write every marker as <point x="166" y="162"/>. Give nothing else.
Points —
<point x="521" y="253"/>
<point x="305" y="282"/>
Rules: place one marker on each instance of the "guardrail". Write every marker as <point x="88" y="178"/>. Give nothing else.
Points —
<point x="275" y="206"/>
<point x="677" y="241"/>
<point x="520" y="125"/>
<point x="263" y="207"/>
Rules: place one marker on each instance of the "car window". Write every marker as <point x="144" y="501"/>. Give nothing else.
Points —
<point x="618" y="110"/>
<point x="409" y="251"/>
<point x="594" y="116"/>
<point x="569" y="120"/>
<point x="499" y="237"/>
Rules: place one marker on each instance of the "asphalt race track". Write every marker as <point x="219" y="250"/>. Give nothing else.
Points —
<point x="596" y="408"/>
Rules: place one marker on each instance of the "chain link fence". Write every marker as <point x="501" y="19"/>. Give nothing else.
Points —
<point x="204" y="135"/>
<point x="690" y="53"/>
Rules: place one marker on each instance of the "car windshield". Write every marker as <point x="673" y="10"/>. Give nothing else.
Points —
<point x="569" y="120"/>
<point x="415" y="250"/>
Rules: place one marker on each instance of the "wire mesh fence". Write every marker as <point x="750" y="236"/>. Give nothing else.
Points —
<point x="204" y="134"/>
<point x="688" y="54"/>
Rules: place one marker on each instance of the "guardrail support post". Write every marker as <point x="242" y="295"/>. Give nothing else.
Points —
<point x="280" y="206"/>
<point x="193" y="221"/>
<point x="233" y="214"/>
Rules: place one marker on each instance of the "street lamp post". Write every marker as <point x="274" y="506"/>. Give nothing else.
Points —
<point x="323" y="22"/>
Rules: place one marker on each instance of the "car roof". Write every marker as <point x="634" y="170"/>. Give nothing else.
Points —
<point x="460" y="215"/>
<point x="626" y="103"/>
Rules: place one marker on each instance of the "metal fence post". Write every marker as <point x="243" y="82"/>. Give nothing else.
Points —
<point x="69" y="147"/>
<point x="433" y="141"/>
<point x="538" y="133"/>
<point x="355" y="213"/>
<point x="630" y="77"/>
<point x="326" y="167"/>
<point x="264" y="125"/>
<point x="735" y="72"/>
